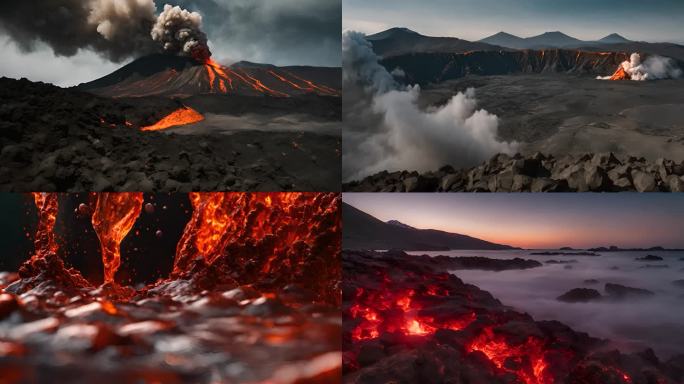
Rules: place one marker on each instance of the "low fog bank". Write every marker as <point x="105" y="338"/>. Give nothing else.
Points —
<point x="632" y="324"/>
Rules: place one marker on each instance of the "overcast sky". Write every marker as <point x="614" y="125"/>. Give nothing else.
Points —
<point x="280" y="32"/>
<point x="652" y="20"/>
<point x="538" y="220"/>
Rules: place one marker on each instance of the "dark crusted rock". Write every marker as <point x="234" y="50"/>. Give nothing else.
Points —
<point x="617" y="291"/>
<point x="580" y="295"/>
<point x="649" y="258"/>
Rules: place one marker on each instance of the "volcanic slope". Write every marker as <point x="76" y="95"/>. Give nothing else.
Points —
<point x="176" y="76"/>
<point x="363" y="231"/>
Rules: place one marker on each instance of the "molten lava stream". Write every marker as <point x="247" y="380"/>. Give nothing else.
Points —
<point x="114" y="216"/>
<point x="47" y="206"/>
<point x="182" y="116"/>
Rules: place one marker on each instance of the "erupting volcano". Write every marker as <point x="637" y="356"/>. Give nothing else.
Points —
<point x="409" y="321"/>
<point x="254" y="273"/>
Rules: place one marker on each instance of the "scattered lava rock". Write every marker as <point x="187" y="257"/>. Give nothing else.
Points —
<point x="600" y="172"/>
<point x="580" y="295"/>
<point x="465" y="262"/>
<point x="649" y="258"/>
<point x="617" y="291"/>
<point x="582" y="253"/>
<point x="405" y="321"/>
<point x="56" y="139"/>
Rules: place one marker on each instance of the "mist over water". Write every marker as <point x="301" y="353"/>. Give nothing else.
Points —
<point x="632" y="324"/>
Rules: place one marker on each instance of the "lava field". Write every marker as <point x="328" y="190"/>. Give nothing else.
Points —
<point x="406" y="321"/>
<point x="252" y="297"/>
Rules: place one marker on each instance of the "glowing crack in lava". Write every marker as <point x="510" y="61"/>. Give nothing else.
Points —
<point x="394" y="310"/>
<point x="114" y="216"/>
<point x="279" y="237"/>
<point x="182" y="116"/>
<point x="47" y="205"/>
<point x="526" y="360"/>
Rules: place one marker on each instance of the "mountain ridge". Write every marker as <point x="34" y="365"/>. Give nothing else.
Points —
<point x="363" y="231"/>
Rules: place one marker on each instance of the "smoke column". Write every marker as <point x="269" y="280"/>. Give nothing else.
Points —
<point x="114" y="29"/>
<point x="180" y="32"/>
<point x="395" y="134"/>
<point x="653" y="68"/>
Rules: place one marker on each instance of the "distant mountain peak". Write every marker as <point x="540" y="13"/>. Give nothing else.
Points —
<point x="399" y="224"/>
<point x="392" y="32"/>
<point x="614" y="38"/>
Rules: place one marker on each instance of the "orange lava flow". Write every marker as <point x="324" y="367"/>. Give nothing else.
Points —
<point x="114" y="216"/>
<point x="395" y="310"/>
<point x="259" y="86"/>
<point x="214" y="69"/>
<point x="182" y="116"/>
<point x="222" y="221"/>
<point x="321" y="88"/>
<point x="526" y="360"/>
<point x="47" y="206"/>
<point x="620" y="74"/>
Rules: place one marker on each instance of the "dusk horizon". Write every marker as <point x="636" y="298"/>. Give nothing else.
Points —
<point x="564" y="220"/>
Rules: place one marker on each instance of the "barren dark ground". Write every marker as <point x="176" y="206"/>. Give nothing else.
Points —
<point x="566" y="114"/>
<point x="57" y="139"/>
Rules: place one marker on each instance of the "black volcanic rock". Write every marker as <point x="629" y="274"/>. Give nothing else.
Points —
<point x="363" y="231"/>
<point x="581" y="253"/>
<point x="649" y="258"/>
<point x="569" y="173"/>
<point x="617" y="291"/>
<point x="580" y="295"/>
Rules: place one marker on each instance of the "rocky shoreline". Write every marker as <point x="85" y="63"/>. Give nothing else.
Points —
<point x="599" y="172"/>
<point x="406" y="321"/>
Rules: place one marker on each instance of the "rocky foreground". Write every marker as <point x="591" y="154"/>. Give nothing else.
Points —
<point x="406" y="321"/>
<point x="601" y="172"/>
<point x="55" y="139"/>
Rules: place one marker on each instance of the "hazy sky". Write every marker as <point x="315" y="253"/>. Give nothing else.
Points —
<point x="652" y="20"/>
<point x="579" y="220"/>
<point x="280" y="32"/>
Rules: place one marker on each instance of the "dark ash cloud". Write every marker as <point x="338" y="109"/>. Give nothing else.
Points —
<point x="115" y="29"/>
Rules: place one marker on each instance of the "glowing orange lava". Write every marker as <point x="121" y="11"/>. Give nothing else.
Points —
<point x="182" y="116"/>
<point x="526" y="360"/>
<point x="113" y="218"/>
<point x="47" y="206"/>
<point x="278" y="222"/>
<point x="395" y="310"/>
<point x="620" y="74"/>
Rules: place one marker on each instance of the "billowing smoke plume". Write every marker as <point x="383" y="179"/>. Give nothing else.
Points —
<point x="653" y="68"/>
<point x="115" y="29"/>
<point x="180" y="32"/>
<point x="385" y="129"/>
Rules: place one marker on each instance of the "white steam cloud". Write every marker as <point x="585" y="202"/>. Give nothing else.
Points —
<point x="180" y="32"/>
<point x="391" y="132"/>
<point x="653" y="68"/>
